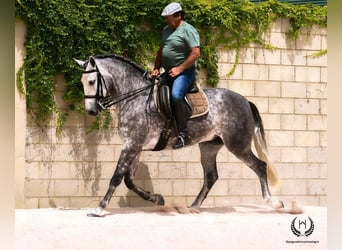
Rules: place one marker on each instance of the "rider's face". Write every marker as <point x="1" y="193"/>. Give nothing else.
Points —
<point x="173" y="21"/>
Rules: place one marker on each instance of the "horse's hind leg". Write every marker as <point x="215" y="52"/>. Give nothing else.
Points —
<point x="259" y="167"/>
<point x="209" y="152"/>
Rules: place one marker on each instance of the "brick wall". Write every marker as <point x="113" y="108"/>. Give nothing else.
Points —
<point x="288" y="85"/>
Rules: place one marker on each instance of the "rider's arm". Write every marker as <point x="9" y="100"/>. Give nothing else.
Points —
<point x="157" y="63"/>
<point x="189" y="61"/>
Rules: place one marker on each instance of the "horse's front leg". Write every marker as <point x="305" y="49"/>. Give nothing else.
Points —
<point x="126" y="167"/>
<point x="129" y="175"/>
<point x="127" y="157"/>
<point x="155" y="198"/>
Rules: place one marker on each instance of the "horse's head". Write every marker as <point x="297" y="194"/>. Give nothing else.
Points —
<point x="93" y="85"/>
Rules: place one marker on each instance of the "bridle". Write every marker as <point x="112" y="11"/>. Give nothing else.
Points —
<point x="101" y="82"/>
<point x="107" y="101"/>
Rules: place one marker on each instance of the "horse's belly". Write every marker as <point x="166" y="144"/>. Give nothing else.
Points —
<point x="208" y="137"/>
<point x="151" y="141"/>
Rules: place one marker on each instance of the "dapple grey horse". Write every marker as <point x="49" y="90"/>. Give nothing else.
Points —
<point x="232" y="121"/>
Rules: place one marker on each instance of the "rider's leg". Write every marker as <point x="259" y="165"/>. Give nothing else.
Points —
<point x="180" y="88"/>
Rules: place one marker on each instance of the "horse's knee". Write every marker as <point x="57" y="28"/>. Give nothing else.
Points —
<point x="116" y="179"/>
<point x="128" y="182"/>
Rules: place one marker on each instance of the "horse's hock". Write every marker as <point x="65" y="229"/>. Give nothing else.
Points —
<point x="287" y="84"/>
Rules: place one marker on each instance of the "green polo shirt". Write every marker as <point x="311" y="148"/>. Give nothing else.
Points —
<point x="177" y="44"/>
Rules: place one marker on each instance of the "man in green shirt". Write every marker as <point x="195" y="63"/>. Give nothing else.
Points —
<point x="179" y="50"/>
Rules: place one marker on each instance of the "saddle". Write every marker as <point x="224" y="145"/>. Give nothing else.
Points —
<point x="196" y="105"/>
<point x="196" y="100"/>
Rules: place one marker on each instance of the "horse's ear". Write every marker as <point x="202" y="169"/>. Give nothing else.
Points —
<point x="92" y="61"/>
<point x="79" y="62"/>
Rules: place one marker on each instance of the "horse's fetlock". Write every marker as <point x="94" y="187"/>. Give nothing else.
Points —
<point x="103" y="204"/>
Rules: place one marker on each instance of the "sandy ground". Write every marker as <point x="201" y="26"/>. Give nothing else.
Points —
<point x="236" y="227"/>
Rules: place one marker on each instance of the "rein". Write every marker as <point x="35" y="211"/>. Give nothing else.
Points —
<point x="107" y="101"/>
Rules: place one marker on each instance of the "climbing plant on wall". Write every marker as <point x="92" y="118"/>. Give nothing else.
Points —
<point x="59" y="30"/>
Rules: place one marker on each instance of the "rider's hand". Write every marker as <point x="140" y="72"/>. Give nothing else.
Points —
<point x="175" y="71"/>
<point x="155" y="72"/>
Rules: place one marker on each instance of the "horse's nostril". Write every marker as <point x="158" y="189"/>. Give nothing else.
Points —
<point x="92" y="112"/>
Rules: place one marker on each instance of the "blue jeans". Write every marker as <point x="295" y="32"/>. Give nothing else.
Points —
<point x="182" y="83"/>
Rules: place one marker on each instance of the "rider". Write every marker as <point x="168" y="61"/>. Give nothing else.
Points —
<point x="180" y="47"/>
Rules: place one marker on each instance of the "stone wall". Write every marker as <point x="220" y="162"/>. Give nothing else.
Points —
<point x="288" y="85"/>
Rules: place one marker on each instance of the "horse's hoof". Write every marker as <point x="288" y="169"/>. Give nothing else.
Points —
<point x="159" y="200"/>
<point x="98" y="212"/>
<point x="275" y="203"/>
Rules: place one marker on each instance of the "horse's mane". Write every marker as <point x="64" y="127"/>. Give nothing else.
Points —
<point x="123" y="59"/>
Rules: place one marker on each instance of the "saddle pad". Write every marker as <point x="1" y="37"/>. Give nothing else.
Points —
<point x="199" y="103"/>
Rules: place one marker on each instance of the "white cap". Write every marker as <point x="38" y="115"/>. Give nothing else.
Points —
<point x="171" y="9"/>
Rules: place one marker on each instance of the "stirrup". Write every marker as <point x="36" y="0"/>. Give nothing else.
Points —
<point x="182" y="140"/>
<point x="193" y="89"/>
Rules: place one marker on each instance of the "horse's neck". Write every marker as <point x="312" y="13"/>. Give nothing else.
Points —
<point x="125" y="84"/>
<point x="125" y="77"/>
<point x="124" y="81"/>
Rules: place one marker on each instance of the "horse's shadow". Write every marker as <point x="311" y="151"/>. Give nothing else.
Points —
<point x="172" y="210"/>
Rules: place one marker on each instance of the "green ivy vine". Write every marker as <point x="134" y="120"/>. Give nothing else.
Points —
<point x="59" y="30"/>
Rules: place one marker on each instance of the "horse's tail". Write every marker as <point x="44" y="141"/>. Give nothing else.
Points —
<point x="261" y="147"/>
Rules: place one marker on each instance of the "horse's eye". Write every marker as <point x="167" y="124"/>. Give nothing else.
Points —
<point x="92" y="82"/>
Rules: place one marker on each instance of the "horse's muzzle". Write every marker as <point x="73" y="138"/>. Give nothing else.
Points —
<point x="94" y="110"/>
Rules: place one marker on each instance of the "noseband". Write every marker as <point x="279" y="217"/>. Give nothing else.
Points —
<point x="106" y="101"/>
